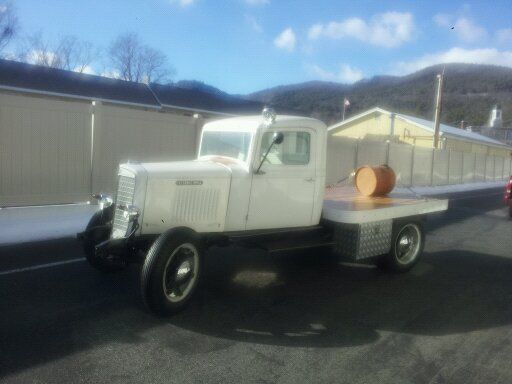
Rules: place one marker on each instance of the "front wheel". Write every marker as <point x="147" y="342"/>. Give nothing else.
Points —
<point x="407" y="245"/>
<point x="171" y="271"/>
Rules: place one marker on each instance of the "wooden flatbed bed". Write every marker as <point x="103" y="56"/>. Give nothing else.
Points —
<point x="347" y="205"/>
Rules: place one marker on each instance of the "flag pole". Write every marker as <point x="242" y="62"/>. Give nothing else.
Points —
<point x="344" y="108"/>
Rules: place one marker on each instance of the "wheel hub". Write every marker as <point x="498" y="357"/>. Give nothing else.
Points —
<point x="408" y="244"/>
<point x="180" y="272"/>
<point x="184" y="270"/>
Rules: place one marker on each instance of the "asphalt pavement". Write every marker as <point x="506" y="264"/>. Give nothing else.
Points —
<point x="260" y="318"/>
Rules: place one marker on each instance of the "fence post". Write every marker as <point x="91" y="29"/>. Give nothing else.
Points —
<point x="432" y="167"/>
<point x="485" y="168"/>
<point x="462" y="169"/>
<point x="494" y="168"/>
<point x="355" y="154"/>
<point x="91" y="174"/>
<point x="412" y="165"/>
<point x="474" y="167"/>
<point x="449" y="162"/>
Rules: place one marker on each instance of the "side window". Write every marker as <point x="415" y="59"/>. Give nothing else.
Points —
<point x="294" y="150"/>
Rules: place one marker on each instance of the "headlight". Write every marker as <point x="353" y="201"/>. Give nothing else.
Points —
<point x="130" y="212"/>
<point x="104" y="200"/>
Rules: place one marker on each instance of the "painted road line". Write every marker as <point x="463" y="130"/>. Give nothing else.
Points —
<point x="41" y="266"/>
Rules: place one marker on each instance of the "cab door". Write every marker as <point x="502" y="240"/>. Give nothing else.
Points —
<point x="282" y="194"/>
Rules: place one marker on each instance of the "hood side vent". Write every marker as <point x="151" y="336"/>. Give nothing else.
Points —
<point x="195" y="205"/>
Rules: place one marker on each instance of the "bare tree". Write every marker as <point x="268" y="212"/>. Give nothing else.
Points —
<point x="8" y="24"/>
<point x="74" y="54"/>
<point x="68" y="53"/>
<point x="132" y="60"/>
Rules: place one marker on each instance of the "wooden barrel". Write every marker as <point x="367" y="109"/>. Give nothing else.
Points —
<point x="375" y="180"/>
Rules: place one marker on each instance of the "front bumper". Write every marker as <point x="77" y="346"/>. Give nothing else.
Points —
<point x="118" y="246"/>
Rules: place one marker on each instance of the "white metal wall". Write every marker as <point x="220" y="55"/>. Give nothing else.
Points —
<point x="413" y="165"/>
<point x="44" y="150"/>
<point x="342" y="153"/>
<point x="45" y="146"/>
<point x="122" y="134"/>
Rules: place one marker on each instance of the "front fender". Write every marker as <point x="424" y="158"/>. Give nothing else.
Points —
<point x="102" y="219"/>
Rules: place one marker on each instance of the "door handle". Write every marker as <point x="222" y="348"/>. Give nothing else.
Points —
<point x="309" y="179"/>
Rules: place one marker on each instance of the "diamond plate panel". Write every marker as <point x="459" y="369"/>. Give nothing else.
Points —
<point x="361" y="241"/>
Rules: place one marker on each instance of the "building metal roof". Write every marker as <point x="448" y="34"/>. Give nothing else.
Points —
<point x="39" y="79"/>
<point x="22" y="77"/>
<point x="445" y="130"/>
<point x="198" y="100"/>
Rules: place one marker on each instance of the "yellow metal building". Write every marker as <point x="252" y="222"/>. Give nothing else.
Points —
<point x="380" y="125"/>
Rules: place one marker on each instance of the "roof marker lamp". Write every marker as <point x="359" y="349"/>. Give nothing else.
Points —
<point x="269" y="116"/>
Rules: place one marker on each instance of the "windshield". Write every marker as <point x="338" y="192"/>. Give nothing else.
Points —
<point x="228" y="144"/>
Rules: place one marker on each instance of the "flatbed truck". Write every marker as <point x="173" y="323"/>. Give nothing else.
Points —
<point x="258" y="181"/>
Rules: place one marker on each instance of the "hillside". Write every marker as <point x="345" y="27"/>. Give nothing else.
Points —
<point x="470" y="92"/>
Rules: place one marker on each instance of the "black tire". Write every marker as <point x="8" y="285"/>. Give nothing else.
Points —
<point x="510" y="211"/>
<point x="402" y="257"/>
<point x="161" y="289"/>
<point x="93" y="237"/>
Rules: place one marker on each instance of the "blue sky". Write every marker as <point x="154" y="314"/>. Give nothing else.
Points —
<point x="246" y="45"/>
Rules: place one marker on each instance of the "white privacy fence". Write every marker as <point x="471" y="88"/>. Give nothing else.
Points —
<point x="59" y="151"/>
<point x="414" y="166"/>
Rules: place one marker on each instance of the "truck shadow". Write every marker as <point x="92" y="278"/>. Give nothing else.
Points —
<point x="249" y="296"/>
<point x="302" y="302"/>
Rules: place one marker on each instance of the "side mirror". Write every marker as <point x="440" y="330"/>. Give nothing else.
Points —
<point x="277" y="139"/>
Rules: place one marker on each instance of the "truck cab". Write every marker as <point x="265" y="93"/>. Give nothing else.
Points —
<point x="235" y="185"/>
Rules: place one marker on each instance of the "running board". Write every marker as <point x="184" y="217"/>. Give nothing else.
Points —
<point x="283" y="246"/>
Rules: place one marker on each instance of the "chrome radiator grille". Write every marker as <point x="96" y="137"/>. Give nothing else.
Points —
<point x="125" y="192"/>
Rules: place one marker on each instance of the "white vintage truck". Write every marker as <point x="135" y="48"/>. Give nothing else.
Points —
<point x="257" y="181"/>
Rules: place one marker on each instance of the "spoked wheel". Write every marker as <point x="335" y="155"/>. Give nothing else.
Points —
<point x="171" y="271"/>
<point x="181" y="272"/>
<point x="407" y="244"/>
<point x="406" y="247"/>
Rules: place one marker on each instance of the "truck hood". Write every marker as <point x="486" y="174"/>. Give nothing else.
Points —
<point x="186" y="170"/>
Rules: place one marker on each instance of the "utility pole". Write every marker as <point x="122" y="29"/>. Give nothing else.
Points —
<point x="439" y="100"/>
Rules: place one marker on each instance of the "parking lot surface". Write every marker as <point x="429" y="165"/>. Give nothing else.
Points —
<point x="260" y="318"/>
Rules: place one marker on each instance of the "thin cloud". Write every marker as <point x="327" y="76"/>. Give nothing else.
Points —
<point x="468" y="31"/>
<point x="464" y="28"/>
<point x="390" y="29"/>
<point x="346" y="74"/>
<point x="442" y="20"/>
<point x="257" y="2"/>
<point x="456" y="55"/>
<point x="253" y="23"/>
<point x="286" y="40"/>
<point x="504" y="36"/>
<point x="182" y="3"/>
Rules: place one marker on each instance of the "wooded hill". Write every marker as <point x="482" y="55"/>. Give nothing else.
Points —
<point x="470" y="92"/>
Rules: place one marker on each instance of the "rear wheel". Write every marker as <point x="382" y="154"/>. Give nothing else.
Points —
<point x="171" y="271"/>
<point x="96" y="233"/>
<point x="407" y="245"/>
<point x="510" y="211"/>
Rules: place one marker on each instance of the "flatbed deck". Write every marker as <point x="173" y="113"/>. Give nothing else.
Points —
<point x="346" y="205"/>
